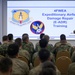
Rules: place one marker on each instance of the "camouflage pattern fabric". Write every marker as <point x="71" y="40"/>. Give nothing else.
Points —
<point x="19" y="67"/>
<point x="36" y="70"/>
<point x="49" y="47"/>
<point x="3" y="49"/>
<point x="36" y="46"/>
<point x="71" y="70"/>
<point x="59" y="43"/>
<point x="28" y="46"/>
<point x="10" y="42"/>
<point x="73" y="57"/>
<point x="51" y="57"/>
<point x="25" y="54"/>
<point x="62" y="47"/>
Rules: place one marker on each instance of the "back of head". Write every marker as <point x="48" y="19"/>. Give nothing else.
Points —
<point x="5" y="65"/>
<point x="46" y="37"/>
<point x="49" y="64"/>
<point x="18" y="41"/>
<point x="5" y="38"/>
<point x="62" y="37"/>
<point x="25" y="37"/>
<point x="47" y="71"/>
<point x="10" y="37"/>
<point x="41" y="36"/>
<point x="44" y="55"/>
<point x="13" y="50"/>
<point x="43" y="43"/>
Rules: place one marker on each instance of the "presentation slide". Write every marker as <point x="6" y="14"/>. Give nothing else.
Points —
<point x="35" y="17"/>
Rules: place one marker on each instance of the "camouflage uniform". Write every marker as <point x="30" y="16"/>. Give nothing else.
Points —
<point x="3" y="49"/>
<point x="61" y="47"/>
<point x="25" y="54"/>
<point x="73" y="57"/>
<point x="28" y="46"/>
<point x="71" y="70"/>
<point x="36" y="70"/>
<point x="59" y="43"/>
<point x="19" y="67"/>
<point x="10" y="42"/>
<point x="49" y="47"/>
<point x="51" y="57"/>
<point x="36" y="46"/>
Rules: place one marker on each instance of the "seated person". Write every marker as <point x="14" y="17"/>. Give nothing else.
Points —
<point x="62" y="45"/>
<point x="5" y="66"/>
<point x="44" y="55"/>
<point x="10" y="38"/>
<point x="22" y="52"/>
<point x="73" y="57"/>
<point x="37" y="44"/>
<point x="47" y="71"/>
<point x="4" y="45"/>
<point x="71" y="69"/>
<point x="49" y="46"/>
<point x="26" y="44"/>
<point x="19" y="67"/>
<point x="43" y="45"/>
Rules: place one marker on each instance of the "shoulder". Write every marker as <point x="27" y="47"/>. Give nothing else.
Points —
<point x="18" y="61"/>
<point x="57" y="44"/>
<point x="71" y="69"/>
<point x="35" y="70"/>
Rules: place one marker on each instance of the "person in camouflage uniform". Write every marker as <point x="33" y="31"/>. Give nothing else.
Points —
<point x="49" y="46"/>
<point x="5" y="66"/>
<point x="19" y="67"/>
<point x="10" y="38"/>
<point x="62" y="45"/>
<point x="22" y="52"/>
<point x="43" y="44"/>
<point x="37" y="44"/>
<point x="71" y="69"/>
<point x="44" y="55"/>
<point x="27" y="45"/>
<point x="4" y="45"/>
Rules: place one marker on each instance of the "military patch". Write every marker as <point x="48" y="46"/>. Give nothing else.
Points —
<point x="37" y="27"/>
<point x="20" y="17"/>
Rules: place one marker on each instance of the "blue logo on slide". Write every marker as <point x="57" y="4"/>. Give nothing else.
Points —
<point x="37" y="27"/>
<point x="20" y="17"/>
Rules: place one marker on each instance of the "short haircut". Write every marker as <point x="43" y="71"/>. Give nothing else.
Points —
<point x="5" y="64"/>
<point x="18" y="41"/>
<point x="5" y="38"/>
<point x="43" y="43"/>
<point x="25" y="36"/>
<point x="62" y="37"/>
<point x="49" y="64"/>
<point x="12" y="50"/>
<point x="10" y="36"/>
<point x="44" y="55"/>
<point x="46" y="37"/>
<point x="41" y="36"/>
<point x="47" y="71"/>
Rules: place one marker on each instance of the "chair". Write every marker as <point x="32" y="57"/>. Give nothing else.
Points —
<point x="62" y="53"/>
<point x="62" y="64"/>
<point x="23" y="59"/>
<point x="36" y="61"/>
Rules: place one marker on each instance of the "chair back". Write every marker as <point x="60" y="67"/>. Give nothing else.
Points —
<point x="62" y="53"/>
<point x="62" y="64"/>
